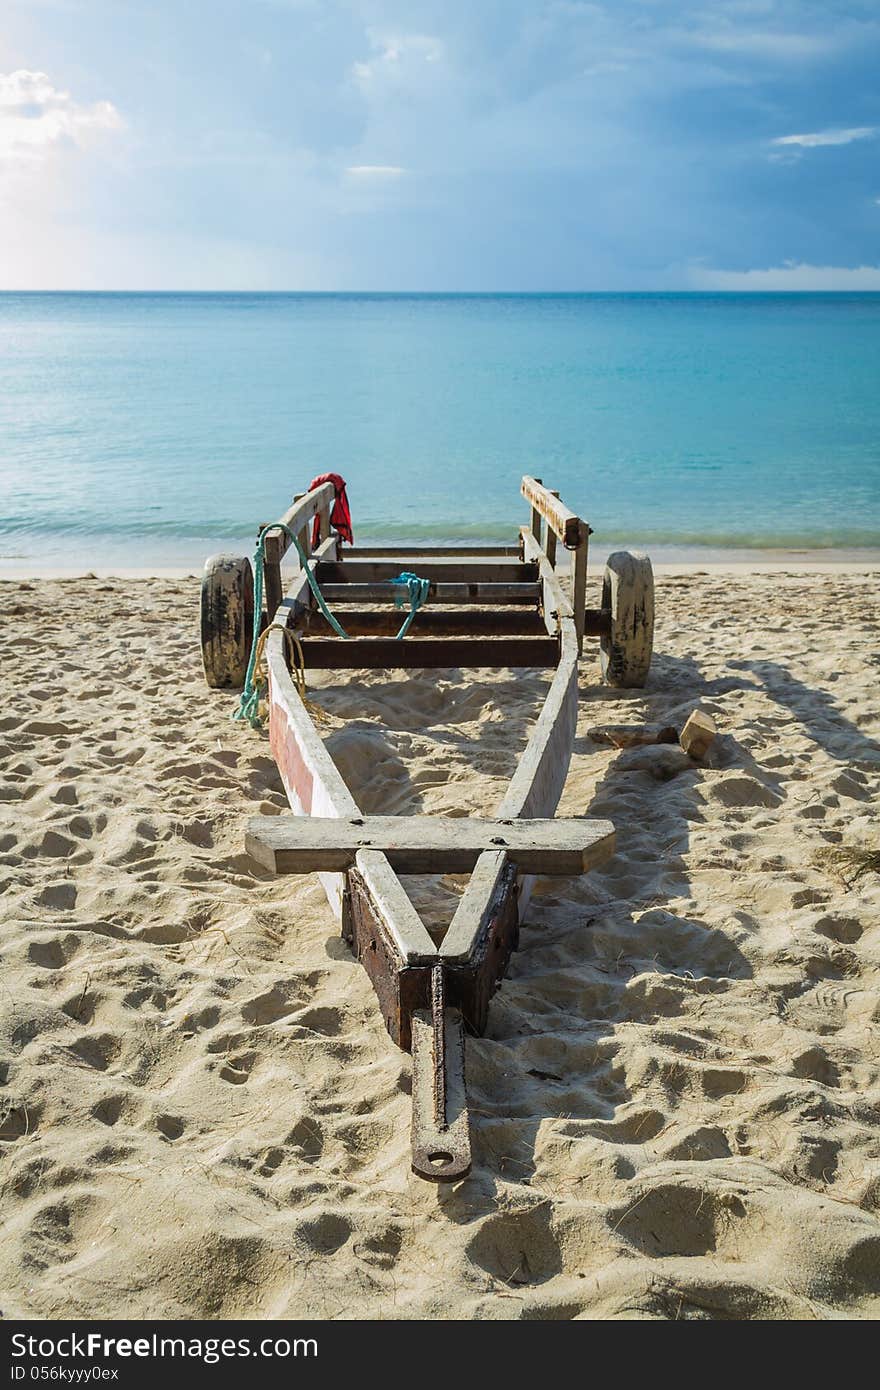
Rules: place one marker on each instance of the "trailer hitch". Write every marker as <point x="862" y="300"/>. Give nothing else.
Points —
<point x="441" y="1147"/>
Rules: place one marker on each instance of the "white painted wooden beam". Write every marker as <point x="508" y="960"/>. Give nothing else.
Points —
<point x="427" y="844"/>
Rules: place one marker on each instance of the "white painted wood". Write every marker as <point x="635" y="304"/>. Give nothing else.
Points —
<point x="427" y="844"/>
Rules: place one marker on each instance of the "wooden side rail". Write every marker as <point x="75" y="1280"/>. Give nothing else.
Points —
<point x="559" y="522"/>
<point x="299" y="514"/>
<point x="569" y="528"/>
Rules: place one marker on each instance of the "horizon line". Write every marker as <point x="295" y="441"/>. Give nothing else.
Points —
<point x="447" y="293"/>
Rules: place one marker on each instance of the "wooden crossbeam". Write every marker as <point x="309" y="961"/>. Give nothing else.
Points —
<point x="488" y="594"/>
<point x="435" y="622"/>
<point x="427" y="844"/>
<point x="436" y="552"/>
<point x="418" y="653"/>
<point x="449" y="568"/>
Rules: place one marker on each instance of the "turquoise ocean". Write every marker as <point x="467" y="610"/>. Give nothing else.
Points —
<point x="148" y="429"/>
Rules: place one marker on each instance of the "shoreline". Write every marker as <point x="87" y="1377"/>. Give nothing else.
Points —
<point x="667" y="560"/>
<point x="795" y="565"/>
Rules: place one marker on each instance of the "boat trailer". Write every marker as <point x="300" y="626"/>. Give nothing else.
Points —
<point x="481" y="607"/>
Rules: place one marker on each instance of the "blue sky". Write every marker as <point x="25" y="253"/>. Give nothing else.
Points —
<point x="495" y="144"/>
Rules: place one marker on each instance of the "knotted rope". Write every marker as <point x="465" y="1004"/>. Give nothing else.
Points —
<point x="256" y="676"/>
<point x="417" y="591"/>
<point x="255" y="681"/>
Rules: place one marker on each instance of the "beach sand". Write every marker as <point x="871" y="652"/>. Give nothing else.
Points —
<point x="676" y="1109"/>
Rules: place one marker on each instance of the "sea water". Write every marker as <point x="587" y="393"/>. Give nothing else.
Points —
<point x="148" y="429"/>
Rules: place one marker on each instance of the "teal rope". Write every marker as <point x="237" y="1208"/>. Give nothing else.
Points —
<point x="417" y="593"/>
<point x="248" y="708"/>
<point x="249" y="705"/>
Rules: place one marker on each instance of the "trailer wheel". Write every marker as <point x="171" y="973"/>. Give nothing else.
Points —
<point x="227" y="620"/>
<point x="628" y="595"/>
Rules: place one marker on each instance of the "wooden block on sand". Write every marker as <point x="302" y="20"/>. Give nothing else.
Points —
<point x="697" y="734"/>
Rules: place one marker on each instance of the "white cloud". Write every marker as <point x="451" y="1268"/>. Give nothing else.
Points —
<point x="780" y="45"/>
<point x="828" y="137"/>
<point x="375" y="171"/>
<point x="790" y="276"/>
<point x="37" y="118"/>
<point x="398" y="60"/>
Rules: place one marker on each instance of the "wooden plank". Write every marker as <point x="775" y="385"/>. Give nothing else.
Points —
<point x="536" y="785"/>
<point x="427" y="844"/>
<point x="434" y="622"/>
<point x="467" y="568"/>
<point x="471" y="983"/>
<point x="594" y="622"/>
<point x="300" y="513"/>
<point x="272" y="572"/>
<point x="423" y="653"/>
<point x="437" y="552"/>
<point x="554" y="604"/>
<point x="568" y="527"/>
<point x="489" y="595"/>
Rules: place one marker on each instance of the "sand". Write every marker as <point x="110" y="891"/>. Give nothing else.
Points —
<point x="676" y="1109"/>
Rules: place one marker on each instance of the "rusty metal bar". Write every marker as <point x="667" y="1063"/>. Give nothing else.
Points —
<point x="438" y="1011"/>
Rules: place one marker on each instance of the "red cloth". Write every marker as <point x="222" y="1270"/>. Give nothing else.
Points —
<point x="340" y="516"/>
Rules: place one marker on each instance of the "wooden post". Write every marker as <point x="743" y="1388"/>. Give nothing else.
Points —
<point x="306" y="530"/>
<point x="550" y="541"/>
<point x="272" y="575"/>
<point x="536" y="521"/>
<point x="579" y="584"/>
<point x="324" y="523"/>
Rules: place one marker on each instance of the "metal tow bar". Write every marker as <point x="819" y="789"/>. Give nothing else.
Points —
<point x="441" y="1146"/>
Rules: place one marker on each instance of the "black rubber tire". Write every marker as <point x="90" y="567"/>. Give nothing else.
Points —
<point x="227" y="620"/>
<point x="628" y="594"/>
